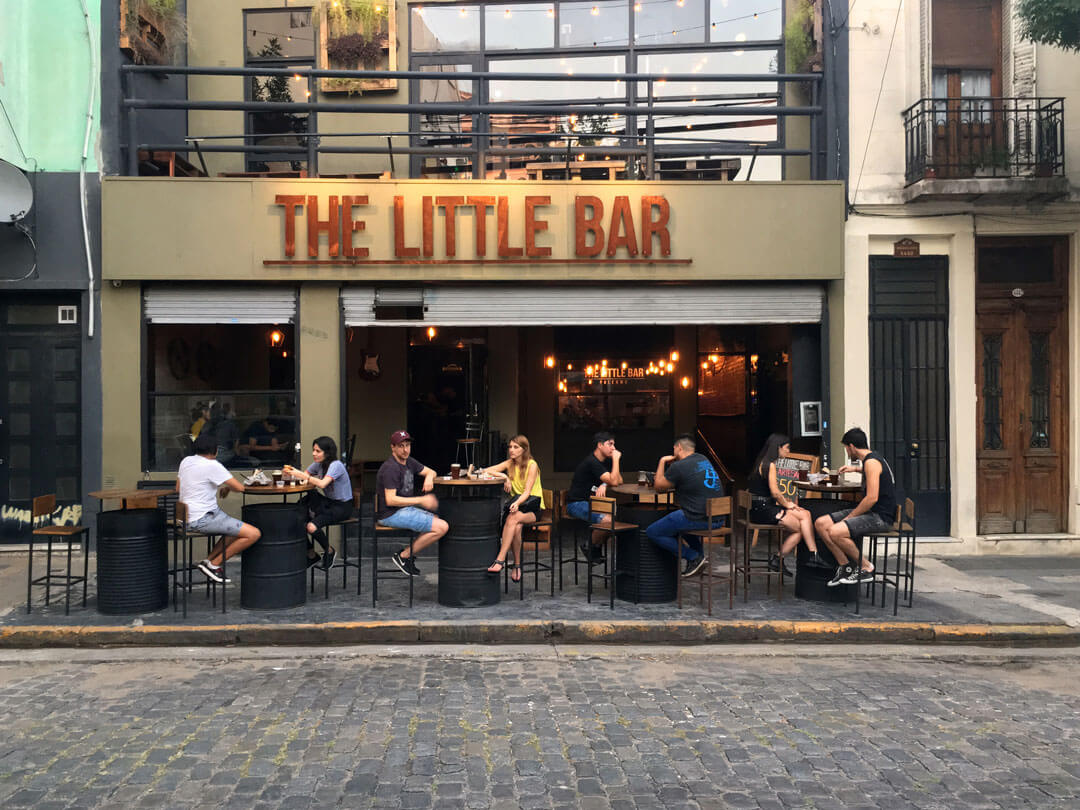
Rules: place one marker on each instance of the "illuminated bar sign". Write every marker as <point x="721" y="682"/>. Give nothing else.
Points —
<point x="467" y="229"/>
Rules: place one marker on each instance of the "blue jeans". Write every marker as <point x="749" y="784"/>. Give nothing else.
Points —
<point x="665" y="533"/>
<point x="580" y="510"/>
<point x="411" y="518"/>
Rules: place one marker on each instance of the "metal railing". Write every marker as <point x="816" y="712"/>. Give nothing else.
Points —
<point x="984" y="137"/>
<point x="645" y="124"/>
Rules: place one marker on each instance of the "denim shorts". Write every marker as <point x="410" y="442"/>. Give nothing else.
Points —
<point x="217" y="522"/>
<point x="412" y="518"/>
<point x="580" y="510"/>
<point x="861" y="525"/>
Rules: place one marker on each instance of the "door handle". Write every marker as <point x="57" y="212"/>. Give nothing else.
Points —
<point x="913" y="450"/>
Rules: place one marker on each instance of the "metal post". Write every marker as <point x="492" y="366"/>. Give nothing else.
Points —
<point x="132" y="128"/>
<point x="815" y="124"/>
<point x="312" y="129"/>
<point x="650" y="140"/>
<point x="390" y="153"/>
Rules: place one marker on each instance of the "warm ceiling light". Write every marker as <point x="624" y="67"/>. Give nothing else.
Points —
<point x="685" y="382"/>
<point x="674" y="356"/>
<point x="507" y="14"/>
<point x="284" y="354"/>
<point x="603" y="362"/>
<point x="276" y="337"/>
<point x="297" y="76"/>
<point x="378" y="9"/>
<point x="569" y="366"/>
<point x="705" y="365"/>
<point x="549" y="361"/>
<point x="431" y="332"/>
<point x="624" y="364"/>
<point x="670" y="366"/>
<point x="714" y="358"/>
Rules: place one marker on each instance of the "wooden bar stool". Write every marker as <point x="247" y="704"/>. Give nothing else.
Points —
<point x="751" y="532"/>
<point x="343" y="557"/>
<point x="386" y="573"/>
<point x="43" y="507"/>
<point x="606" y="506"/>
<point x="717" y="512"/>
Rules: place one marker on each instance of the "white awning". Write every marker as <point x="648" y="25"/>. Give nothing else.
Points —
<point x="219" y="304"/>
<point x="568" y="305"/>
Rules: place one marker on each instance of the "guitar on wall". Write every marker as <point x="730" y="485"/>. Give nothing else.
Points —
<point x="369" y="366"/>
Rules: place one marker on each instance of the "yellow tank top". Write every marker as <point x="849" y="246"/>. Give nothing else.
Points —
<point x="517" y="483"/>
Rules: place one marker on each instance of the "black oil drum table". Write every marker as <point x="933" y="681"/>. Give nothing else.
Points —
<point x="473" y="508"/>
<point x="646" y="572"/>
<point x="273" y="571"/>
<point x="812" y="582"/>
<point x="132" y="561"/>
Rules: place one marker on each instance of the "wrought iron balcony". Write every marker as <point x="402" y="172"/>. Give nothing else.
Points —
<point x="984" y="137"/>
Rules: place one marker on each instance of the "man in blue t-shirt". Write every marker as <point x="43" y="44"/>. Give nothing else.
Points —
<point x="694" y="480"/>
<point x="397" y="505"/>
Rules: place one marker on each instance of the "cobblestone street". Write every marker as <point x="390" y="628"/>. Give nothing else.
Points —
<point x="538" y="727"/>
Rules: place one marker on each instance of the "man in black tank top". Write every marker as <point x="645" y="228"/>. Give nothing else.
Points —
<point x="876" y="512"/>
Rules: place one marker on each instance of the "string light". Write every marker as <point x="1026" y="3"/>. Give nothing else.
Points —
<point x="507" y="14"/>
<point x="596" y="11"/>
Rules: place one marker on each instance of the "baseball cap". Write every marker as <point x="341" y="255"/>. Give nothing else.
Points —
<point x="399" y="436"/>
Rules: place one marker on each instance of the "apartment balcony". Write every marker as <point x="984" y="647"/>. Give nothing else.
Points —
<point x="1009" y="150"/>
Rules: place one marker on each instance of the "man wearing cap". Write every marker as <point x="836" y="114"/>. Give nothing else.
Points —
<point x="397" y="506"/>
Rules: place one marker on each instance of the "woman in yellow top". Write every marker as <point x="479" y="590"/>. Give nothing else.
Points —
<point x="522" y="475"/>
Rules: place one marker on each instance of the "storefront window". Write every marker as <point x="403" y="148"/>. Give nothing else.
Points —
<point x="518" y="27"/>
<point x="669" y="22"/>
<point x="445" y="28"/>
<point x="594" y="25"/>
<point x="236" y="380"/>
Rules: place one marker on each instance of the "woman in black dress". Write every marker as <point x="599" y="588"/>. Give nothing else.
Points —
<point x="770" y="505"/>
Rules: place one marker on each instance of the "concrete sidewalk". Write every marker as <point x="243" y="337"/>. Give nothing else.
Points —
<point x="1022" y="601"/>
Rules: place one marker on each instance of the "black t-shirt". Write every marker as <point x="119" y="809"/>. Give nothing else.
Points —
<point x="695" y="481"/>
<point x="587" y="478"/>
<point x="757" y="485"/>
<point x="396" y="476"/>
<point x="885" y="507"/>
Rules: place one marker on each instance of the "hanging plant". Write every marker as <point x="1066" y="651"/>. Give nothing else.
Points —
<point x="152" y="31"/>
<point x="357" y="17"/>
<point x="355" y="49"/>
<point x="798" y="39"/>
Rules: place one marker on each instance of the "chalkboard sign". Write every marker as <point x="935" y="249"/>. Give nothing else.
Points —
<point x="796" y="467"/>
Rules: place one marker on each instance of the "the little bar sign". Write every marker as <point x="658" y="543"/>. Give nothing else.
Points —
<point x="496" y="229"/>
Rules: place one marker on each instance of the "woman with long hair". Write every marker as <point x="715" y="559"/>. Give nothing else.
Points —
<point x="522" y="475"/>
<point x="771" y="506"/>
<point x="330" y="502"/>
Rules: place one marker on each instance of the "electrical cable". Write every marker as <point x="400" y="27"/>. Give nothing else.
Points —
<point x="95" y="69"/>
<point x="877" y="101"/>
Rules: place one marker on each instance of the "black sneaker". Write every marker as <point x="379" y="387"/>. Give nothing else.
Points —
<point x="313" y="561"/>
<point x="861" y="575"/>
<point x="328" y="559"/>
<point x="213" y="572"/>
<point x="841" y="575"/>
<point x="815" y="561"/>
<point x="406" y="564"/>
<point x="774" y="562"/>
<point x="591" y="552"/>
<point x="694" y="566"/>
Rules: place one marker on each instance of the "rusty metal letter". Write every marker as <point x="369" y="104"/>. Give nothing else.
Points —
<point x="534" y="226"/>
<point x="291" y="203"/>
<point x="622" y="221"/>
<point x="649" y="227"/>
<point x="331" y="225"/>
<point x="450" y="204"/>
<point x="350" y="226"/>
<point x="585" y="225"/>
<point x="480" y="206"/>
<point x="427" y="216"/>
<point x="502" y="215"/>
<point x="400" y="251"/>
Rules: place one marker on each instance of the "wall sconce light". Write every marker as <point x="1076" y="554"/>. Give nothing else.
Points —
<point x="685" y="382"/>
<point x="275" y="338"/>
<point x="674" y="356"/>
<point x="431" y="333"/>
<point x="549" y="361"/>
<point x="753" y="363"/>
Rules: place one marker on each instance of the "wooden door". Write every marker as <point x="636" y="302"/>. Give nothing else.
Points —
<point x="1022" y="356"/>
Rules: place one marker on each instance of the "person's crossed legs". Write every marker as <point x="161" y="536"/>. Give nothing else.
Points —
<point x="839" y="532"/>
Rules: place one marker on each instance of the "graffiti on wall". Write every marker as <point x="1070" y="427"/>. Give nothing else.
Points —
<point x="15" y="521"/>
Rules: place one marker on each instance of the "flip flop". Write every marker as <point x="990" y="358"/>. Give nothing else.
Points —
<point x="496" y="571"/>
<point x="515" y="573"/>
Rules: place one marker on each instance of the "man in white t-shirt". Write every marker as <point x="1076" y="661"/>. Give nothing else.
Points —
<point x="200" y="479"/>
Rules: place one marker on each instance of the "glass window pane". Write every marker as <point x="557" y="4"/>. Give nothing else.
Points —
<point x="18" y="392"/>
<point x="663" y="22"/>
<point x="525" y="90"/>
<point x="516" y="27"/>
<point x="594" y="23"/>
<point x="446" y="129"/>
<point x="445" y="28"/>
<point x="741" y="21"/>
<point x="19" y="423"/>
<point x="279" y="35"/>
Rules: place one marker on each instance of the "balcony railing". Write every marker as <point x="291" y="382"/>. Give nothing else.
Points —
<point x="648" y="125"/>
<point x="956" y="138"/>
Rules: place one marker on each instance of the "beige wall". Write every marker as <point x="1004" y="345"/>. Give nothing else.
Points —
<point x="121" y="385"/>
<point x="319" y="355"/>
<point x="723" y="231"/>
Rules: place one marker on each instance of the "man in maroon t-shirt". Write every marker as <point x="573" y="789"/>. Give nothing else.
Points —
<point x="397" y="505"/>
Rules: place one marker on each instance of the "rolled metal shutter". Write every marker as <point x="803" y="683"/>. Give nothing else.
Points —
<point x="219" y="304"/>
<point x="567" y="305"/>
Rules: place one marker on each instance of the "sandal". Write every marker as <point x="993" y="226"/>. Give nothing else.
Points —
<point x="515" y="573"/>
<point x="496" y="571"/>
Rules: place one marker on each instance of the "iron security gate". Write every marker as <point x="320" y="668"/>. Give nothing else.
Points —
<point x="909" y="385"/>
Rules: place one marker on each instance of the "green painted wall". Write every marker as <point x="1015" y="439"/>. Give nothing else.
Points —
<point x="45" y="69"/>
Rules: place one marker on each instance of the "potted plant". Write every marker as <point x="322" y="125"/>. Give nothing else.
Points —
<point x="358" y="35"/>
<point x="152" y="31"/>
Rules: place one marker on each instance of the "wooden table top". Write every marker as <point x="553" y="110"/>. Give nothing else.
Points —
<point x="641" y="489"/>
<point x="277" y="489"/>
<point x="447" y="481"/>
<point x="125" y="494"/>
<point x="824" y="486"/>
